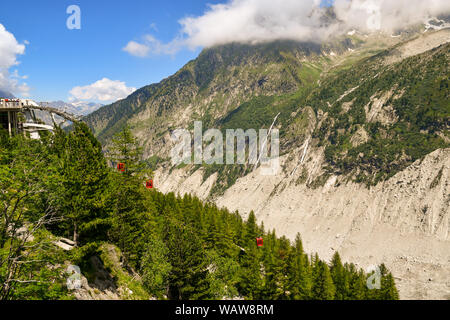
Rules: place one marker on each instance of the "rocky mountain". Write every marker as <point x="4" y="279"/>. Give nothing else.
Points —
<point x="77" y="107"/>
<point x="364" y="138"/>
<point x="6" y="94"/>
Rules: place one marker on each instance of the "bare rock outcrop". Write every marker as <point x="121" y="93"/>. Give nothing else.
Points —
<point x="402" y="222"/>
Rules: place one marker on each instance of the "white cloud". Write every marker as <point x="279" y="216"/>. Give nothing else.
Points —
<point x="137" y="49"/>
<point x="388" y="15"/>
<point x="9" y="50"/>
<point x="252" y="21"/>
<point x="151" y="45"/>
<point x="104" y="90"/>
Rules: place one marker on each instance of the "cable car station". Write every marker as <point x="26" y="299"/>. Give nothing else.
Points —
<point x="18" y="116"/>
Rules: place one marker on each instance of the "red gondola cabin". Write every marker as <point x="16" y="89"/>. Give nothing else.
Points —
<point x="149" y="184"/>
<point x="259" y="242"/>
<point x="121" y="167"/>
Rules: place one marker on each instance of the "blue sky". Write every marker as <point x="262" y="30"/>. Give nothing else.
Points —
<point x="125" y="45"/>
<point x="58" y="59"/>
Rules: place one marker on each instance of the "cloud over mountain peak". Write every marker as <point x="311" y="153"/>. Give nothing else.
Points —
<point x="255" y="21"/>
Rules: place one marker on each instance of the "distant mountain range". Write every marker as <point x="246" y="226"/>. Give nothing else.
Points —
<point x="81" y="108"/>
<point x="78" y="107"/>
<point x="6" y="94"/>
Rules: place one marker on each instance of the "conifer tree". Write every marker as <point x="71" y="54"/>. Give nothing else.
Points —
<point x="276" y="266"/>
<point x="251" y="278"/>
<point x="299" y="272"/>
<point x="188" y="278"/>
<point x="323" y="287"/>
<point x="339" y="277"/>
<point x="85" y="180"/>
<point x="129" y="222"/>
<point x="251" y="230"/>
<point x="358" y="285"/>
<point x="128" y="217"/>
<point x="125" y="149"/>
<point x="388" y="289"/>
<point x="155" y="267"/>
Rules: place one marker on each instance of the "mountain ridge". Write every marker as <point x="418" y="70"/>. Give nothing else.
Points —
<point x="373" y="111"/>
<point x="6" y="94"/>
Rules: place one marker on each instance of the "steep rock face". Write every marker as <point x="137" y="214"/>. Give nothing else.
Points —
<point x="108" y="279"/>
<point x="403" y="222"/>
<point x="212" y="86"/>
<point x="360" y="99"/>
<point x="364" y="137"/>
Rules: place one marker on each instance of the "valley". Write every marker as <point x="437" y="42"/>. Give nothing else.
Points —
<point x="374" y="181"/>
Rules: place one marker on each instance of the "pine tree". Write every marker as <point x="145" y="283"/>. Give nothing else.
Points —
<point x="388" y="289"/>
<point x="251" y="230"/>
<point x="85" y="179"/>
<point x="251" y="278"/>
<point x="299" y="272"/>
<point x="125" y="149"/>
<point x="155" y="267"/>
<point x="358" y="286"/>
<point x="129" y="220"/>
<point x="188" y="278"/>
<point x="323" y="287"/>
<point x="339" y="277"/>
<point x="128" y="202"/>
<point x="272" y="269"/>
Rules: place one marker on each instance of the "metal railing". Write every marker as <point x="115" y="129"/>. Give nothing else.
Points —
<point x="23" y="105"/>
<point x="10" y="104"/>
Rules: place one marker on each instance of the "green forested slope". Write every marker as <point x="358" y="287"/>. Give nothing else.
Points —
<point x="179" y="248"/>
<point x="233" y="73"/>
<point x="372" y="117"/>
<point x="417" y="108"/>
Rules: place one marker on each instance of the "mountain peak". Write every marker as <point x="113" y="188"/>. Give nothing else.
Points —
<point x="6" y="94"/>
